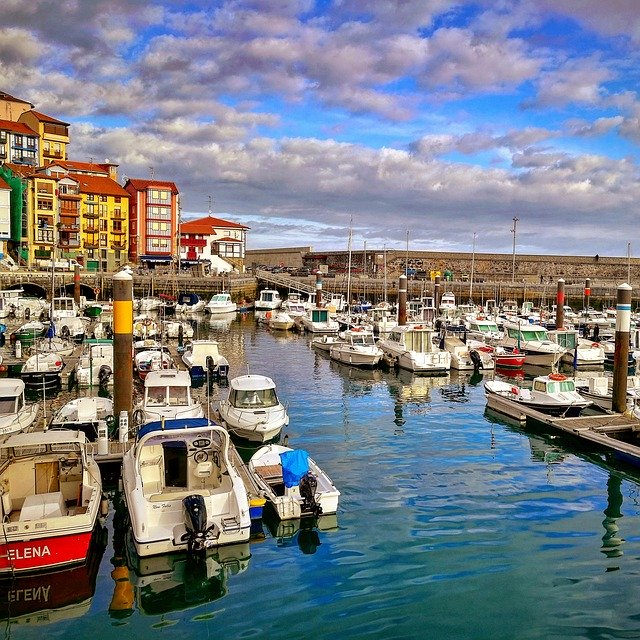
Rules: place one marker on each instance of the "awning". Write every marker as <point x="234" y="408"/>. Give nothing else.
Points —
<point x="156" y="258"/>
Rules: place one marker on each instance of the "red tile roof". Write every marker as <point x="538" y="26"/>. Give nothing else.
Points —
<point x="100" y="185"/>
<point x="208" y="224"/>
<point x="17" y="127"/>
<point x="142" y="185"/>
<point x="89" y="167"/>
<point x="3" y="184"/>
<point x="45" y="118"/>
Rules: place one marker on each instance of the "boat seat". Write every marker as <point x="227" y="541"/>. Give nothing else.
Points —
<point x="87" y="409"/>
<point x="270" y="472"/>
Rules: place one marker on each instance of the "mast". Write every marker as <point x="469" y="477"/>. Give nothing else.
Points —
<point x="349" y="267"/>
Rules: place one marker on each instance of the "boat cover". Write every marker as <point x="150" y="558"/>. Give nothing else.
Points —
<point x="173" y="425"/>
<point x="295" y="464"/>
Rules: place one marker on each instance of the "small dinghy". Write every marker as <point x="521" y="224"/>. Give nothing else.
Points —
<point x="293" y="483"/>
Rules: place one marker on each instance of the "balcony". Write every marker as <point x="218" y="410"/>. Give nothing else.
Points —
<point x="118" y="246"/>
<point x="87" y="229"/>
<point x="92" y="216"/>
<point x="64" y="226"/>
<point x="91" y="245"/>
<point x="118" y="216"/>
<point x="118" y="232"/>
<point x="193" y="242"/>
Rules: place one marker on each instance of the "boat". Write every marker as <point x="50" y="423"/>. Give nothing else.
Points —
<point x="28" y="332"/>
<point x="72" y="327"/>
<point x="42" y="371"/>
<point x="50" y="502"/>
<point x="534" y="341"/>
<point x="167" y="396"/>
<point x="600" y="391"/>
<point x="554" y="394"/>
<point x="293" y="483"/>
<point x="252" y="409"/>
<point x="464" y="357"/>
<point x="177" y="328"/>
<point x="483" y="329"/>
<point x="203" y="357"/>
<point x="145" y="327"/>
<point x="16" y="414"/>
<point x="280" y="320"/>
<point x="190" y="303"/>
<point x="95" y="365"/>
<point x="317" y="320"/>
<point x="220" y="303"/>
<point x="150" y="355"/>
<point x="503" y="358"/>
<point x="411" y="347"/>
<point x="64" y="307"/>
<point x="62" y="346"/>
<point x="358" y="348"/>
<point x="87" y="414"/>
<point x="149" y="303"/>
<point x="324" y="342"/>
<point x="181" y="491"/>
<point x="579" y="353"/>
<point x="268" y="300"/>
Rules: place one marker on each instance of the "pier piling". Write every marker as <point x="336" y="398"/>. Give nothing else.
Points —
<point x="122" y="341"/>
<point x="402" y="300"/>
<point x="560" y="305"/>
<point x="621" y="354"/>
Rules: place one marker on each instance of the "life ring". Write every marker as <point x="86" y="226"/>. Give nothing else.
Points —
<point x="418" y="326"/>
<point x="480" y="318"/>
<point x="557" y="376"/>
<point x="356" y="329"/>
<point x="595" y="345"/>
<point x="96" y="290"/>
<point x="147" y="322"/>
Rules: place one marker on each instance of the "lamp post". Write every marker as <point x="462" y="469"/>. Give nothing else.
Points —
<point x="513" y="264"/>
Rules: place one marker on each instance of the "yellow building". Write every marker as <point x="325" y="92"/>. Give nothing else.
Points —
<point x="53" y="133"/>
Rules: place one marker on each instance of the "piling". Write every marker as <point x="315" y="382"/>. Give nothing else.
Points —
<point x="436" y="295"/>
<point x="621" y="354"/>
<point x="122" y="341"/>
<point x="560" y="305"/>
<point x="318" y="289"/>
<point x="402" y="300"/>
<point x="587" y="292"/>
<point x="76" y="283"/>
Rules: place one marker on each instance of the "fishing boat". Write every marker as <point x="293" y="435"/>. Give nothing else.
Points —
<point x="87" y="414"/>
<point x="280" y="320"/>
<point x="317" y="320"/>
<point x="293" y="483"/>
<point x="16" y="414"/>
<point x="145" y="327"/>
<point x="358" y="348"/>
<point x="503" y="358"/>
<point x="600" y="391"/>
<point x="220" y="303"/>
<point x="167" y="396"/>
<point x="42" y="371"/>
<point x="252" y="409"/>
<point x="553" y="394"/>
<point x="411" y="347"/>
<point x="534" y="341"/>
<point x="268" y="300"/>
<point x="28" y="332"/>
<point x="324" y="342"/>
<point x="50" y="501"/>
<point x="177" y="328"/>
<point x="203" y="357"/>
<point x="181" y="491"/>
<point x="464" y="357"/>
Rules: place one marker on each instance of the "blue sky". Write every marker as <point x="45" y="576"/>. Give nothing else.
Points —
<point x="433" y="117"/>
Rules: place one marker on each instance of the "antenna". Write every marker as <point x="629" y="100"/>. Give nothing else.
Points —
<point x="210" y="201"/>
<point x="151" y="172"/>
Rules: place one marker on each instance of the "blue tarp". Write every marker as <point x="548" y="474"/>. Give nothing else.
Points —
<point x="294" y="465"/>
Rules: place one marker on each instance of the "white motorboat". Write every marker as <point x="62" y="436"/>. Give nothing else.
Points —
<point x="149" y="303"/>
<point x="358" y="348"/>
<point x="64" y="307"/>
<point x="167" y="395"/>
<point x="465" y="358"/>
<point x="145" y="327"/>
<point x="579" y="353"/>
<point x="190" y="303"/>
<point x="203" y="357"/>
<point x="86" y="414"/>
<point x="411" y="347"/>
<point x="62" y="346"/>
<point x="220" y="303"/>
<point x="280" y="320"/>
<point x="252" y="409"/>
<point x="554" y="394"/>
<point x="16" y="414"/>
<point x="181" y="490"/>
<point x="318" y="320"/>
<point x="174" y="328"/>
<point x="72" y="328"/>
<point x="42" y="371"/>
<point x="293" y="483"/>
<point x="95" y="365"/>
<point x="533" y="340"/>
<point x="325" y="342"/>
<point x="484" y="329"/>
<point x="268" y="300"/>
<point x="50" y="500"/>
<point x="150" y="355"/>
<point x="600" y="391"/>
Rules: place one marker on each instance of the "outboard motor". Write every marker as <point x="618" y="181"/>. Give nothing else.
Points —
<point x="104" y="375"/>
<point x="308" y="485"/>
<point x="194" y="513"/>
<point x="27" y="313"/>
<point x="211" y="366"/>
<point x="476" y="359"/>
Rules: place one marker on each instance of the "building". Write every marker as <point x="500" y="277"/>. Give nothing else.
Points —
<point x="5" y="215"/>
<point x="219" y="242"/>
<point x="52" y="133"/>
<point x="18" y="143"/>
<point x="153" y="216"/>
<point x="12" y="108"/>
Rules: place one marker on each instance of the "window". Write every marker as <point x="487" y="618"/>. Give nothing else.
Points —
<point x="103" y="224"/>
<point x="44" y="235"/>
<point x="103" y="239"/>
<point x="17" y="140"/>
<point x="103" y="198"/>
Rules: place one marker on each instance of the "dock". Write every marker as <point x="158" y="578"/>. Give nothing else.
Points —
<point x="613" y="432"/>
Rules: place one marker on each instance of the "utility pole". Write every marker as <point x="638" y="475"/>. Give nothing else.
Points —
<point x="513" y="265"/>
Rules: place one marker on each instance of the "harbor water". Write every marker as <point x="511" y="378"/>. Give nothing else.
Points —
<point x="453" y="523"/>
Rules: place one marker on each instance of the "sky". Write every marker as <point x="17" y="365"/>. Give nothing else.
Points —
<point x="428" y="124"/>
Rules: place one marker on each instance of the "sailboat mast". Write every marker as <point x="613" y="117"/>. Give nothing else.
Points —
<point x="349" y="268"/>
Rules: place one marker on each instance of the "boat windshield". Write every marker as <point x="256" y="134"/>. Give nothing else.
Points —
<point x="7" y="405"/>
<point x="260" y="398"/>
<point x="178" y="396"/>
<point x="528" y="334"/>
<point x="553" y="386"/>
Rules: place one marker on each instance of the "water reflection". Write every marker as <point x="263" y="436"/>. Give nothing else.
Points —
<point x="304" y="533"/>
<point x="52" y="596"/>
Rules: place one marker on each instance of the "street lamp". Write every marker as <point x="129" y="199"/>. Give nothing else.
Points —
<point x="513" y="264"/>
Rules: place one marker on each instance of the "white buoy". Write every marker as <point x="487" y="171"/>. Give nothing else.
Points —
<point x="18" y="349"/>
<point x="123" y="427"/>
<point x="103" y="438"/>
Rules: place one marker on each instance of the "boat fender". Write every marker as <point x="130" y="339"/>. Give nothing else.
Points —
<point x="514" y="390"/>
